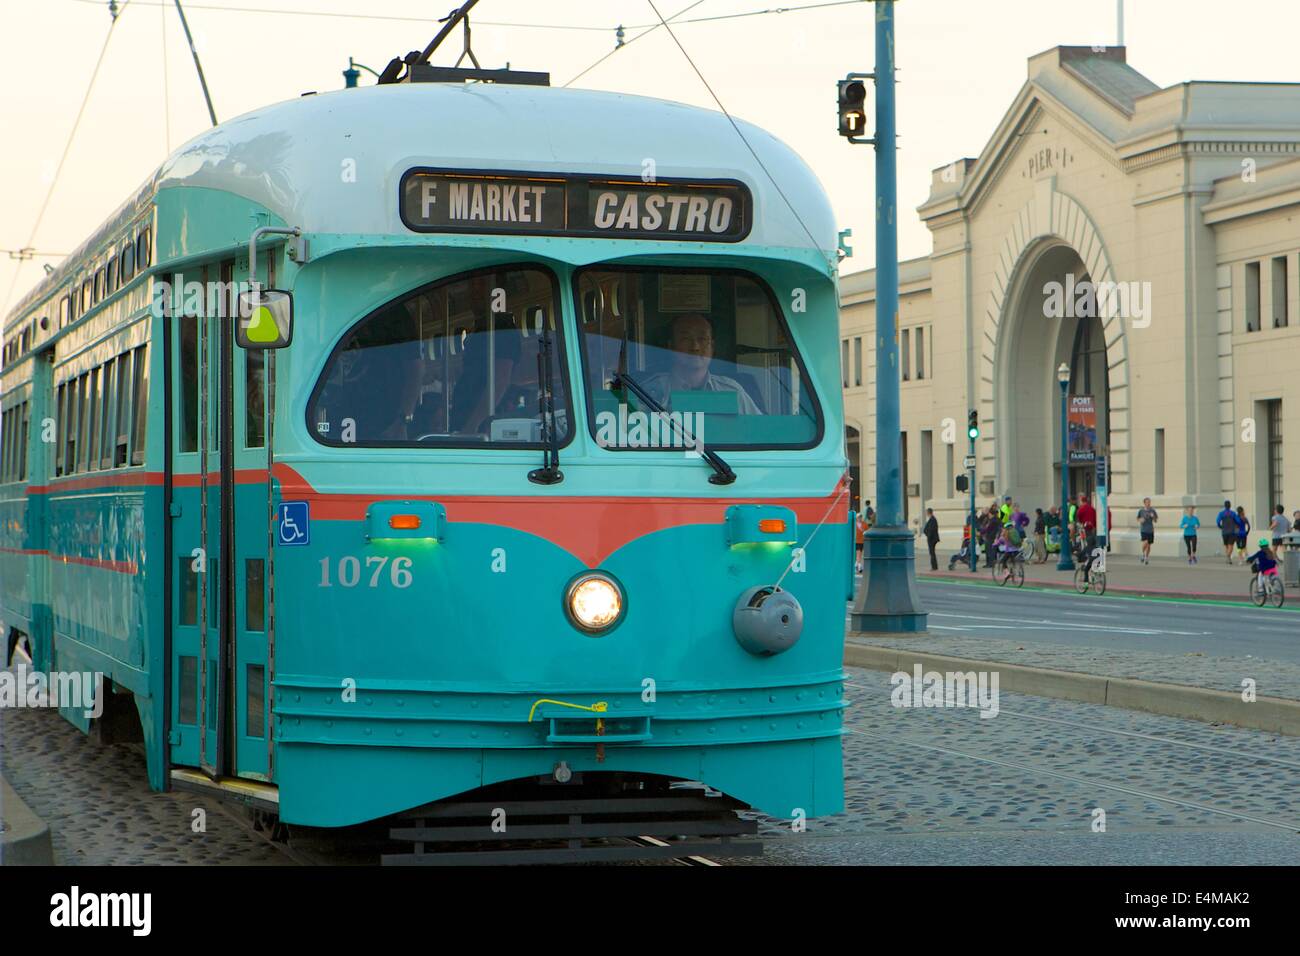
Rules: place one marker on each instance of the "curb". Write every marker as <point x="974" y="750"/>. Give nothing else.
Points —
<point x="24" y="837"/>
<point x="1110" y="589"/>
<point x="1275" y="714"/>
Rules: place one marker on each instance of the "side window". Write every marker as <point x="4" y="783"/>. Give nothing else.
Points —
<point x="92" y="422"/>
<point x="143" y="254"/>
<point x="454" y="363"/>
<point x="110" y="284"/>
<point x="141" y="395"/>
<point x="23" y="437"/>
<point x="106" y="415"/>
<point x="188" y="344"/>
<point x="69" y="432"/>
<point x="83" y="422"/>
<point x="100" y="290"/>
<point x="64" y="304"/>
<point x="128" y="262"/>
<point x="61" y="420"/>
<point x="121" y="430"/>
<point x="87" y="294"/>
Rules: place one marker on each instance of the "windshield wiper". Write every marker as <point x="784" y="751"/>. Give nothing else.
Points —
<point x="549" y="473"/>
<point x="723" y="475"/>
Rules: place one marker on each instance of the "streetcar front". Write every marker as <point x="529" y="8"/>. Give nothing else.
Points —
<point x="559" y="471"/>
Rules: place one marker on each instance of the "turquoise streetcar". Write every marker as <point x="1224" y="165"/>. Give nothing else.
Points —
<point x="398" y="442"/>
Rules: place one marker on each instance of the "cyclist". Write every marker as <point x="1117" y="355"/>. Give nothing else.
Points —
<point x="1008" y="546"/>
<point x="1264" y="561"/>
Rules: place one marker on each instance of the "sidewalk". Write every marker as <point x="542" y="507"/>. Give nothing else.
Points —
<point x="1209" y="580"/>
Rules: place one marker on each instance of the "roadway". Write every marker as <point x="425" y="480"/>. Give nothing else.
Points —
<point x="1158" y="625"/>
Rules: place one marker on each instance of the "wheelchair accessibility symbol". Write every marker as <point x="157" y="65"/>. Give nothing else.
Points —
<point x="295" y="523"/>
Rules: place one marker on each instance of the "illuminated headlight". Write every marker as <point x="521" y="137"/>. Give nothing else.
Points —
<point x="594" y="602"/>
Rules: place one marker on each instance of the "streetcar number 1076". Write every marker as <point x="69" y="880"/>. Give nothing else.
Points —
<point x="348" y="571"/>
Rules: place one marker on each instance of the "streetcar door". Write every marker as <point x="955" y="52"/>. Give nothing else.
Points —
<point x="200" y="624"/>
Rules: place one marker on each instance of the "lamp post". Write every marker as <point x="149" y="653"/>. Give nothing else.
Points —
<point x="1067" y="562"/>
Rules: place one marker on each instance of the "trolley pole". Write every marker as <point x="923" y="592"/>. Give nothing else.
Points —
<point x="887" y="600"/>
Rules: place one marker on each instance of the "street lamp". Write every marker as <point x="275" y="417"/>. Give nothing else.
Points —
<point x="1067" y="562"/>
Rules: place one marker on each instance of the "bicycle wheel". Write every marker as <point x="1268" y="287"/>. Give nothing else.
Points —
<point x="1099" y="582"/>
<point x="1278" y="595"/>
<point x="1080" y="580"/>
<point x="1257" y="593"/>
<point x="1018" y="574"/>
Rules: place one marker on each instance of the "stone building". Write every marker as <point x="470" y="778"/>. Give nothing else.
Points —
<point x="1150" y="239"/>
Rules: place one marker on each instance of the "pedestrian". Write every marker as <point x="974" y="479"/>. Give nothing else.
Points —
<point x="990" y="529"/>
<point x="859" y="529"/>
<point x="1279" y="525"/>
<point x="1147" y="518"/>
<point x="1040" y="535"/>
<point x="1243" y="529"/>
<point x="1052" y="522"/>
<point x="1226" y="520"/>
<point x="931" y="532"/>
<point x="1189" y="524"/>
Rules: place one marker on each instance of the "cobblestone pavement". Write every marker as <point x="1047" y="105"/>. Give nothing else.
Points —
<point x="100" y="810"/>
<point x="947" y="786"/>
<point x="938" y="786"/>
<point x="1273" y="678"/>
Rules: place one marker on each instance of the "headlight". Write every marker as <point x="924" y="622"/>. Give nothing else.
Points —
<point x="594" y="602"/>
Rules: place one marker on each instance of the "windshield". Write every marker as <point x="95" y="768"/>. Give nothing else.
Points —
<point x="711" y="347"/>
<point x="454" y="363"/>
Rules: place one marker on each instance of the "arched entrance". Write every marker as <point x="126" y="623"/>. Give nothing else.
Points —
<point x="1052" y="239"/>
<point x="1051" y="319"/>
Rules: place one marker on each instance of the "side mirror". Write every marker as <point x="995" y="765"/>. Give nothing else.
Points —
<point x="265" y="319"/>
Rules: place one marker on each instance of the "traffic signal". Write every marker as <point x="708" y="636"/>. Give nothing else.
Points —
<point x="853" y="112"/>
<point x="963" y="483"/>
<point x="973" y="424"/>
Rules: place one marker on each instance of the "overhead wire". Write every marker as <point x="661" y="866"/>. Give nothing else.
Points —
<point x="45" y="204"/>
<point x="628" y="43"/>
<point x="734" y="125"/>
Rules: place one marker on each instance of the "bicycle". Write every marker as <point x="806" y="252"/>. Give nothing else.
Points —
<point x="1266" y="588"/>
<point x="1094" y="577"/>
<point x="1010" y="567"/>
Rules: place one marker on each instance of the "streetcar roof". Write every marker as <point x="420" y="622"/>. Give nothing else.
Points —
<point x="290" y="157"/>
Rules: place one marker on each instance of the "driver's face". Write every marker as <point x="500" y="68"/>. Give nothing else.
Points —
<point x="693" y="343"/>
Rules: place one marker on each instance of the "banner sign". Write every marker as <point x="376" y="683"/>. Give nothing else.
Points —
<point x="1081" y="416"/>
<point x="547" y="204"/>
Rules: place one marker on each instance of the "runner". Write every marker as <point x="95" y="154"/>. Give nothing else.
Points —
<point x="1189" y="524"/>
<point x="1226" y="521"/>
<point x="1243" y="530"/>
<point x="1147" y="518"/>
<point x="1279" y="525"/>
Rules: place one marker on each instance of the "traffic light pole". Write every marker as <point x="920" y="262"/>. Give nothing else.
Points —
<point x="887" y="600"/>
<point x="974" y="550"/>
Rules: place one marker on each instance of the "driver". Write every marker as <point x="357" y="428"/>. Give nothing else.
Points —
<point x="692" y="346"/>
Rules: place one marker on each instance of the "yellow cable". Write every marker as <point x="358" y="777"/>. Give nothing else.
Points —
<point x="599" y="707"/>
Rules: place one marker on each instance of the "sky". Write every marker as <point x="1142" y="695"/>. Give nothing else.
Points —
<point x="960" y="64"/>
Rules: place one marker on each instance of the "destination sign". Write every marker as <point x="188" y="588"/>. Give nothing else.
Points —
<point x="544" y="204"/>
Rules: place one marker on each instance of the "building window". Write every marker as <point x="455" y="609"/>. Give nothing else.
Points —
<point x="1279" y="292"/>
<point x="905" y="354"/>
<point x="952" y="483"/>
<point x="1252" y="296"/>
<point x="1274" y="413"/>
<point x="857" y="361"/>
<point x="844" y="362"/>
<point x="1160" y="462"/>
<point x="920" y="353"/>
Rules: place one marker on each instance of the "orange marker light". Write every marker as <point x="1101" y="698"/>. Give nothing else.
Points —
<point x="771" y="525"/>
<point x="404" y="522"/>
